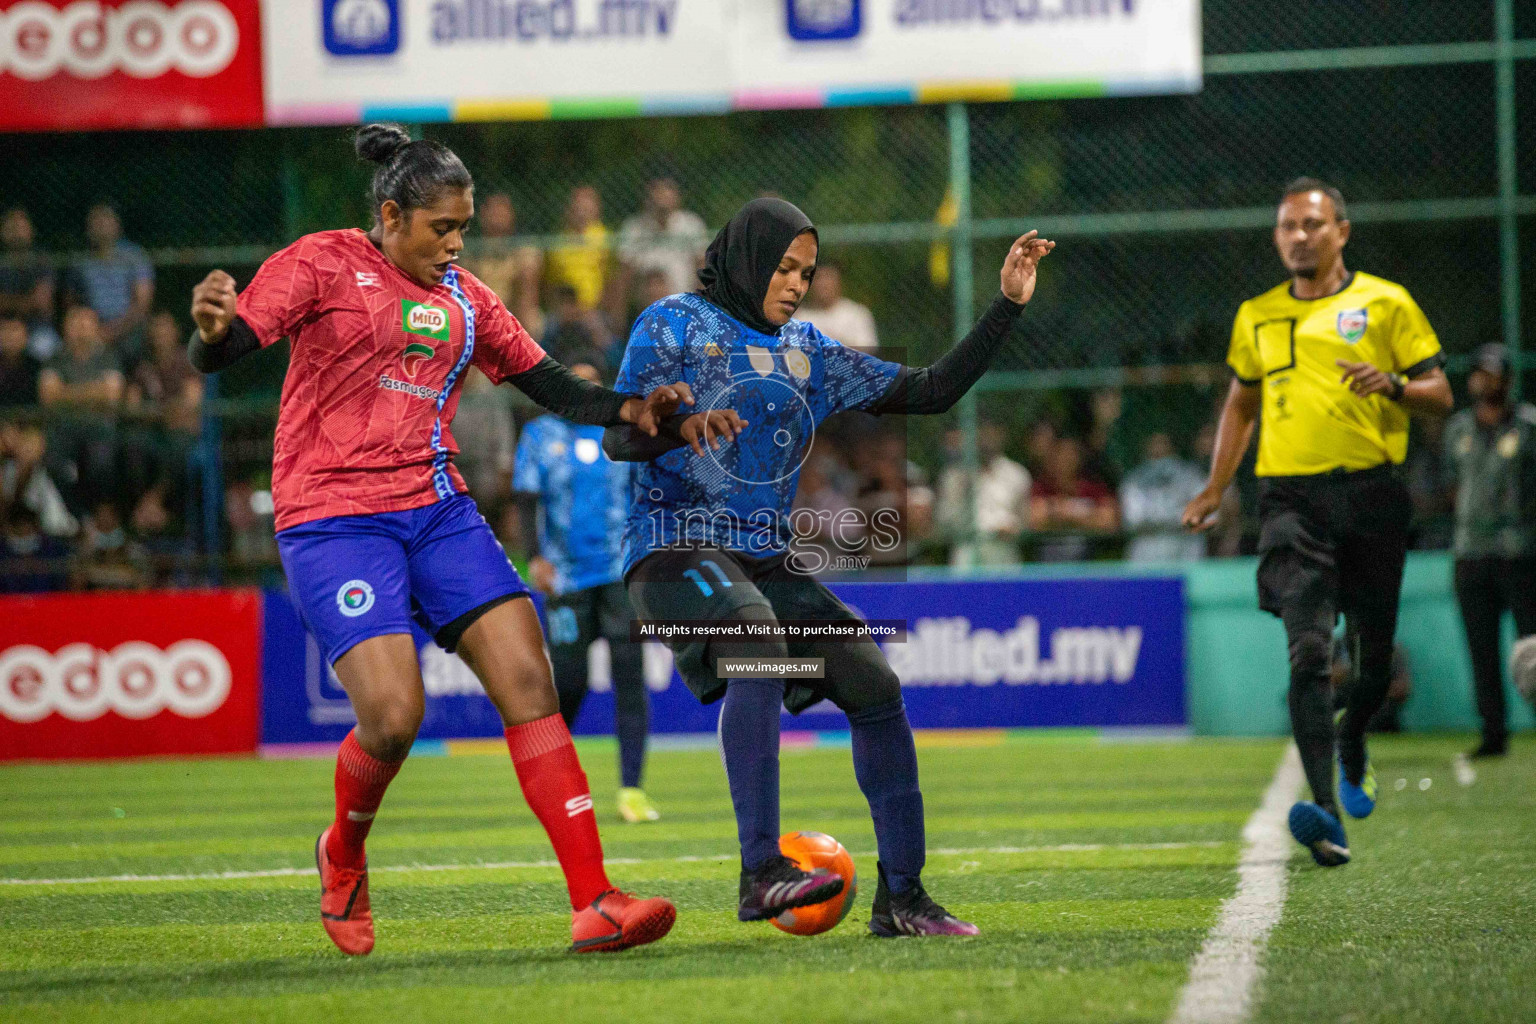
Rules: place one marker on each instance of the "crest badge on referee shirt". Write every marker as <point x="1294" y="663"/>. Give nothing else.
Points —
<point x="1351" y="325"/>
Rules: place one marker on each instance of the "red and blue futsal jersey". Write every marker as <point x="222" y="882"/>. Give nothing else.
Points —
<point x="739" y="497"/>
<point x="363" y="426"/>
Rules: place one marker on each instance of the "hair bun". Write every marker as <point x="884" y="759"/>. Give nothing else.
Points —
<point x="378" y="143"/>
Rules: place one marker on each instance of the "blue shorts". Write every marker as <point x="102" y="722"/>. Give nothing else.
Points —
<point x="357" y="577"/>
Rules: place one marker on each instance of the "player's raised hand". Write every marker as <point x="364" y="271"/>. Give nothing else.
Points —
<point x="660" y="404"/>
<point x="711" y="427"/>
<point x="213" y="306"/>
<point x="1019" y="268"/>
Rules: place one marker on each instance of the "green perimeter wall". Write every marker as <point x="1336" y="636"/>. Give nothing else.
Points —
<point x="1237" y="659"/>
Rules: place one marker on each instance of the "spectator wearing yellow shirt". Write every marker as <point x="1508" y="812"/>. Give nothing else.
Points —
<point x="583" y="257"/>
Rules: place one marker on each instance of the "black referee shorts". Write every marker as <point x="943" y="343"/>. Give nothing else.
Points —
<point x="712" y="585"/>
<point x="1335" y="540"/>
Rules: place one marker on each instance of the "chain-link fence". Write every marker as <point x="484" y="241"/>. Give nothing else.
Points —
<point x="1162" y="206"/>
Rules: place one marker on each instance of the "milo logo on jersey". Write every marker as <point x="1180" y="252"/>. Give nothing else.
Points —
<point x="424" y="321"/>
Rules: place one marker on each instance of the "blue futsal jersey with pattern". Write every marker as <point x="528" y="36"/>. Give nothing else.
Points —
<point x="739" y="497"/>
<point x="583" y="500"/>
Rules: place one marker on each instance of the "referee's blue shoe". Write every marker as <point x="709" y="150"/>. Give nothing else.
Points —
<point x="1358" y="800"/>
<point x="1321" y="833"/>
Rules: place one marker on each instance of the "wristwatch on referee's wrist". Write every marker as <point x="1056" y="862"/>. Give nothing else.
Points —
<point x="1399" y="386"/>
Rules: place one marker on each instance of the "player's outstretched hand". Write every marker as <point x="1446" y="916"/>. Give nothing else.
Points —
<point x="1200" y="513"/>
<point x="711" y="427"/>
<point x="660" y="404"/>
<point x="213" y="306"/>
<point x="1019" y="268"/>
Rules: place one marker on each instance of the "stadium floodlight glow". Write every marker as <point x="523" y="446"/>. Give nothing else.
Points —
<point x="143" y="39"/>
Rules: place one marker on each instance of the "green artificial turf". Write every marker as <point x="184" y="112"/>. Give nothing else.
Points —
<point x="1094" y="869"/>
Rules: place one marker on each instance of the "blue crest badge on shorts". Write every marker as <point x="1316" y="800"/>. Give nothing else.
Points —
<point x="1351" y="325"/>
<point x="354" y="598"/>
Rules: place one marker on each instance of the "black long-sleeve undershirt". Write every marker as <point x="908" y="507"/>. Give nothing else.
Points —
<point x="914" y="391"/>
<point x="936" y="388"/>
<point x="548" y="383"/>
<point x="238" y="342"/>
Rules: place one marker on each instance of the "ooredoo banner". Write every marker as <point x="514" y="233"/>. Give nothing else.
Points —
<point x="982" y="654"/>
<point x="129" y="674"/>
<point x="72" y="65"/>
<point x="342" y="61"/>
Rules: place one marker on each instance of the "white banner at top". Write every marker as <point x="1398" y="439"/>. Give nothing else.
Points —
<point x="331" y="61"/>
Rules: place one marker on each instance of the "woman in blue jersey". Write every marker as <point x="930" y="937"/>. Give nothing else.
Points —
<point x="708" y="536"/>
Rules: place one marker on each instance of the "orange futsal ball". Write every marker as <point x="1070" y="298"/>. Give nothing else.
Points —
<point x="811" y="850"/>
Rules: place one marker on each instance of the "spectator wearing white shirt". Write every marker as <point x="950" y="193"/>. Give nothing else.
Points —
<point x="837" y="316"/>
<point x="664" y="237"/>
<point x="1152" y="500"/>
<point x="1002" y="501"/>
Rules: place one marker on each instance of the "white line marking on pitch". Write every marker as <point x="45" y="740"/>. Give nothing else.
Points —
<point x="215" y="876"/>
<point x="1225" y="974"/>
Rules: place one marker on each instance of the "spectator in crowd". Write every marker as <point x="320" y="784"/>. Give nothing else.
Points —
<point x="84" y="385"/>
<point x="1067" y="502"/>
<point x="31" y="561"/>
<point x="1431" y="484"/>
<point x="581" y="260"/>
<point x="882" y="499"/>
<point x="27" y="283"/>
<point x="1001" y="501"/>
<point x="664" y="237"/>
<point x="19" y="368"/>
<point x="1106" y="455"/>
<point x="836" y="315"/>
<point x="573" y="332"/>
<point x="510" y="269"/>
<point x="819" y="502"/>
<point x="1152" y="500"/>
<point x="24" y="479"/>
<point x="248" y="512"/>
<point x="1038" y="443"/>
<point x="1492" y="450"/>
<point x="167" y="393"/>
<point x="109" y="559"/>
<point x="654" y="286"/>
<point x="116" y="280"/>
<point x="487" y="446"/>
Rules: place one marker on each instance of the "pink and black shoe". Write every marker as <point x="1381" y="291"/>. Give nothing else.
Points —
<point x="779" y="885"/>
<point x="912" y="913"/>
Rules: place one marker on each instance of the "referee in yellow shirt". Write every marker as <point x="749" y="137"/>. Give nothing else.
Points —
<point x="1335" y="360"/>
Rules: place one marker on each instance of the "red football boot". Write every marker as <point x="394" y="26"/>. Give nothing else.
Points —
<point x="344" y="909"/>
<point x="616" y="920"/>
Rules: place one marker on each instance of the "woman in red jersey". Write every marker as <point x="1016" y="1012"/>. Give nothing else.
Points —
<point x="373" y="522"/>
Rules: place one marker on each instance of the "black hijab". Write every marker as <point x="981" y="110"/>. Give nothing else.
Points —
<point x="741" y="261"/>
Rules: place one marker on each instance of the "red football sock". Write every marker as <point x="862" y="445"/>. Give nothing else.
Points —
<point x="556" y="788"/>
<point x="361" y="780"/>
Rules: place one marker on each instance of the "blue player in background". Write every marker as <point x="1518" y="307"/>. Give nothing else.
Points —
<point x="708" y="536"/>
<point x="575" y="500"/>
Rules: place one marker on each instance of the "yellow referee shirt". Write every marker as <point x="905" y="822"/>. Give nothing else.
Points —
<point x="1311" y="423"/>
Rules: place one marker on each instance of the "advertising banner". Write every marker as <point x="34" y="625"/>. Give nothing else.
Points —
<point x="129" y="674"/>
<point x="343" y="61"/>
<point x="985" y="654"/>
<point x="74" y="65"/>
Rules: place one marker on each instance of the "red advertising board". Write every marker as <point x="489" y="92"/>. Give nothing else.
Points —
<point x="72" y="65"/>
<point x="129" y="674"/>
